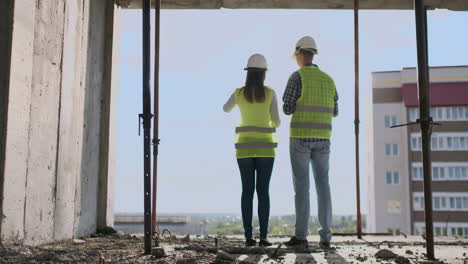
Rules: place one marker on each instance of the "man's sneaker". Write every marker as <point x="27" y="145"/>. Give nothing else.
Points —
<point x="264" y="243"/>
<point x="295" y="242"/>
<point x="249" y="242"/>
<point x="324" y="245"/>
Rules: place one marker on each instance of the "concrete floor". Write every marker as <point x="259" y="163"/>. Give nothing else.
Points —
<point x="353" y="250"/>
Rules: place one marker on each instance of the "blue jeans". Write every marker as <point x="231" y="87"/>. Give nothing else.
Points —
<point x="263" y="168"/>
<point x="302" y="154"/>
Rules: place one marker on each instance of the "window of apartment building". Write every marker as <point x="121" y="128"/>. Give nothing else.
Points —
<point x="414" y="113"/>
<point x="392" y="177"/>
<point x="418" y="173"/>
<point x="396" y="177"/>
<point x="442" y="201"/>
<point x="437" y="202"/>
<point x="391" y="149"/>
<point x="457" y="231"/>
<point x="443" y="229"/>
<point x="442" y="141"/>
<point x="452" y="113"/>
<point x="393" y="206"/>
<point x="390" y="121"/>
<point x="418" y="203"/>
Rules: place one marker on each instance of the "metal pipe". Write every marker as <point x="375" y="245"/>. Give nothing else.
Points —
<point x="157" y="21"/>
<point x="356" y="117"/>
<point x="425" y="118"/>
<point x="146" y="116"/>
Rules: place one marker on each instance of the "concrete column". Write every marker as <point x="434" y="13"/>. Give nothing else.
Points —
<point x="6" y="26"/>
<point x="71" y="117"/>
<point x="58" y="80"/>
<point x="44" y="122"/>
<point x="108" y="118"/>
<point x="96" y="183"/>
<point x="16" y="140"/>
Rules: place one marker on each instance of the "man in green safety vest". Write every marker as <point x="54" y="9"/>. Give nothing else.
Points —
<point x="311" y="98"/>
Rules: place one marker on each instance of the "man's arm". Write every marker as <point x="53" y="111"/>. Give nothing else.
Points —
<point x="292" y="93"/>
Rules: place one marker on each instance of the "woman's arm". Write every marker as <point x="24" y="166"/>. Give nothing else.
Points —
<point x="274" y="110"/>
<point x="229" y="105"/>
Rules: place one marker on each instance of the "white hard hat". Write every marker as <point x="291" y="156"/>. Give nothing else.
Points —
<point x="257" y="61"/>
<point x="307" y="43"/>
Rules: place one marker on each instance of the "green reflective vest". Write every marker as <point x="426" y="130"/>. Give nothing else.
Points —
<point x="313" y="115"/>
<point x="255" y="135"/>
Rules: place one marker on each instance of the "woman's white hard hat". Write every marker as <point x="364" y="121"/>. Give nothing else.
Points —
<point x="256" y="61"/>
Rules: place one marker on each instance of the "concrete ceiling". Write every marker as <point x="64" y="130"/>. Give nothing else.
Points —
<point x="461" y="5"/>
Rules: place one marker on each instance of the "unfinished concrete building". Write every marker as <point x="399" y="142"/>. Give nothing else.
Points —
<point x="57" y="88"/>
<point x="58" y="85"/>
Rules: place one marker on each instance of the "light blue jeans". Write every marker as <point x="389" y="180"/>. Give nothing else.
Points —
<point x="302" y="154"/>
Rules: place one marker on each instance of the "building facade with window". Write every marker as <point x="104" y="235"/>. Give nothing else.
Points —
<point x="395" y="174"/>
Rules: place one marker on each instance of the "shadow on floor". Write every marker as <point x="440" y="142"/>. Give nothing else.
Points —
<point x="252" y="259"/>
<point x="303" y="258"/>
<point x="334" y="258"/>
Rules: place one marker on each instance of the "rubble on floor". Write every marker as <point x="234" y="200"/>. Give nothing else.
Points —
<point x="116" y="247"/>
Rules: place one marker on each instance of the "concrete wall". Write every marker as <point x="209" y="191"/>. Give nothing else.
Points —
<point x="56" y="170"/>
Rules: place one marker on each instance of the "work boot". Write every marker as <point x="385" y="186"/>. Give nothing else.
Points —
<point x="249" y="242"/>
<point x="324" y="245"/>
<point x="295" y="242"/>
<point x="264" y="242"/>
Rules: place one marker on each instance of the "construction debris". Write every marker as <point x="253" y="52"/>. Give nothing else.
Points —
<point x="186" y="239"/>
<point x="222" y="256"/>
<point x="402" y="260"/>
<point x="361" y="258"/>
<point x="158" y="252"/>
<point x="385" y="254"/>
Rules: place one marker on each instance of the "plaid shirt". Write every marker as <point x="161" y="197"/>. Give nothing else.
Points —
<point x="293" y="92"/>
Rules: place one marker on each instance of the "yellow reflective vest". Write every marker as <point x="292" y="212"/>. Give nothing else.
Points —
<point x="313" y="115"/>
<point x="255" y="135"/>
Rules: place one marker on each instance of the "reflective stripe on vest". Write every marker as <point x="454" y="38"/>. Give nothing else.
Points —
<point x="314" y="109"/>
<point x="310" y="125"/>
<point x="256" y="145"/>
<point x="255" y="129"/>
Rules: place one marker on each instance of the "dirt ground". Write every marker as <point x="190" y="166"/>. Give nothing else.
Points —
<point x="125" y="248"/>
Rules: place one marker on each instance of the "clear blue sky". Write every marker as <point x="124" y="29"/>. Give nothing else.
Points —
<point x="203" y="54"/>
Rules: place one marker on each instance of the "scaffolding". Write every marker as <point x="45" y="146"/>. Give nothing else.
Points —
<point x="425" y="120"/>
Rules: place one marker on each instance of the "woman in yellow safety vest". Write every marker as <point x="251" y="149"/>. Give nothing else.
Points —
<point x="255" y="143"/>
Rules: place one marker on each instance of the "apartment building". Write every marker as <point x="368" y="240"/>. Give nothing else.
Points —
<point x="395" y="176"/>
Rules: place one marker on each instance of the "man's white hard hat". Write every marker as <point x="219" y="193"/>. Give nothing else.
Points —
<point x="307" y="43"/>
<point x="258" y="62"/>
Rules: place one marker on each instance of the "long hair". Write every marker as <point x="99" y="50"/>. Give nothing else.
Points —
<point x="254" y="90"/>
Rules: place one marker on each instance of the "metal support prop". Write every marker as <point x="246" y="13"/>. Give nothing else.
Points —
<point x="356" y="118"/>
<point x="146" y="116"/>
<point x="157" y="26"/>
<point x="425" y="118"/>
